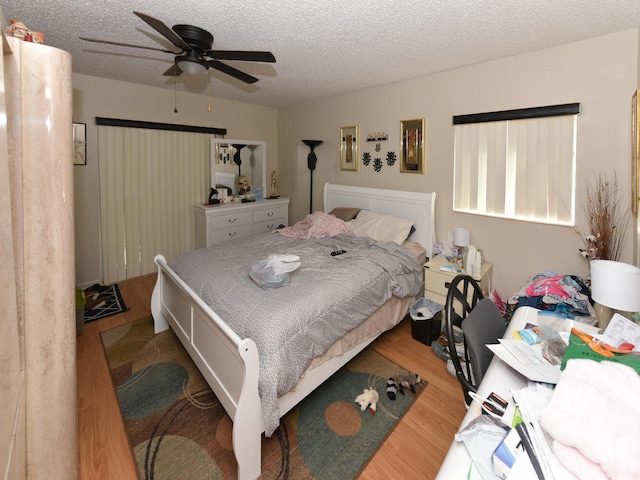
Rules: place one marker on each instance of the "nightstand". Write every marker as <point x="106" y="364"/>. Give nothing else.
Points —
<point x="436" y="281"/>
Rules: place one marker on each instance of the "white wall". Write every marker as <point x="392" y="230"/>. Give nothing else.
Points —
<point x="600" y="73"/>
<point x="98" y="97"/>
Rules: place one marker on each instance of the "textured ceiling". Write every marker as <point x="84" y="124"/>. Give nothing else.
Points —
<point x="322" y="47"/>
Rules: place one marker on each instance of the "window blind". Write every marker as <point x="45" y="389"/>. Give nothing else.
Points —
<point x="149" y="181"/>
<point x="522" y="169"/>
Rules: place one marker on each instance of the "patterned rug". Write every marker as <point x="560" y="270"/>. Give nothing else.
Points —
<point x="103" y="301"/>
<point x="178" y="429"/>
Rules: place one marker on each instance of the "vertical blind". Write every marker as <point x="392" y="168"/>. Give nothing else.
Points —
<point x="149" y="182"/>
<point x="522" y="169"/>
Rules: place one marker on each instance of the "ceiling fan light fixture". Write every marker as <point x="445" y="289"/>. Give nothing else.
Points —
<point x="191" y="65"/>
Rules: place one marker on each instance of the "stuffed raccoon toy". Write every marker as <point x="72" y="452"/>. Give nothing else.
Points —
<point x="399" y="383"/>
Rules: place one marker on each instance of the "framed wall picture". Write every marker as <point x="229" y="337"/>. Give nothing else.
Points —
<point x="79" y="144"/>
<point x="412" y="145"/>
<point x="635" y="152"/>
<point x="349" y="148"/>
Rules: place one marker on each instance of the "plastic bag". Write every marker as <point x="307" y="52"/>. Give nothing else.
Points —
<point x="273" y="272"/>
<point x="424" y="309"/>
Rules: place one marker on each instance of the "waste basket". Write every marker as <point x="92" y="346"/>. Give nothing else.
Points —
<point x="426" y="320"/>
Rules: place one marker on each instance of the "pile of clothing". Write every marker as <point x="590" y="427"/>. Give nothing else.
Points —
<point x="565" y="295"/>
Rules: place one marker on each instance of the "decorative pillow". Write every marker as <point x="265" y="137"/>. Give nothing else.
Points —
<point x="345" y="213"/>
<point x="381" y="227"/>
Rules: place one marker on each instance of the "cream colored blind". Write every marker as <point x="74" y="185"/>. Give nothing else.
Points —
<point x="149" y="182"/>
<point x="521" y="169"/>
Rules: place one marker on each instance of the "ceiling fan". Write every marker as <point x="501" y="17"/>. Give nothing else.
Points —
<point x="195" y="55"/>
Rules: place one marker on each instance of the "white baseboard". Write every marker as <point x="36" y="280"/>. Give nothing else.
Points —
<point x="83" y="286"/>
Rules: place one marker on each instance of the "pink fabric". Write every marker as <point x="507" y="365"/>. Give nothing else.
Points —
<point x="548" y="286"/>
<point x="593" y="418"/>
<point x="316" y="225"/>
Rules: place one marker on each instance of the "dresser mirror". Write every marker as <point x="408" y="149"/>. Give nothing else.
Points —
<point x="231" y="158"/>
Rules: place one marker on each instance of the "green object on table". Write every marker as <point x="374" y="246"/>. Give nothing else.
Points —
<point x="81" y="298"/>
<point x="579" y="348"/>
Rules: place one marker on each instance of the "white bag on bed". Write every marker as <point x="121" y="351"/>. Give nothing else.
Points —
<point x="273" y="271"/>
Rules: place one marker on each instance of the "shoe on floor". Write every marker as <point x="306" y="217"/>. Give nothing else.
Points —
<point x="440" y="351"/>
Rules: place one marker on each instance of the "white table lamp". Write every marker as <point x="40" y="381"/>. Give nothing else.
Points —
<point x="614" y="286"/>
<point x="461" y="237"/>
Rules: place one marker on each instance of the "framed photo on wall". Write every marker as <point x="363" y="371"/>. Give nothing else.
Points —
<point x="79" y="144"/>
<point x="635" y="152"/>
<point x="412" y="147"/>
<point x="349" y="148"/>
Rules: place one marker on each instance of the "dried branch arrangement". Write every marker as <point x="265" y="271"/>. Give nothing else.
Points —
<point x="608" y="216"/>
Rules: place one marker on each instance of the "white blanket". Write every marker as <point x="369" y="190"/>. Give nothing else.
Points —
<point x="594" y="420"/>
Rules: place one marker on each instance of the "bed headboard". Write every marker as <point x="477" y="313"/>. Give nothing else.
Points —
<point x="414" y="206"/>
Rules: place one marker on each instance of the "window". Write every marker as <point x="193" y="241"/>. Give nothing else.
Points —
<point x="517" y="164"/>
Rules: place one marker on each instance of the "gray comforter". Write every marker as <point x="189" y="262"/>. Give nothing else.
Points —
<point x="327" y="297"/>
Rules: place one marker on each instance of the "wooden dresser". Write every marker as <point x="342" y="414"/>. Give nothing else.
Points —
<point x="215" y="224"/>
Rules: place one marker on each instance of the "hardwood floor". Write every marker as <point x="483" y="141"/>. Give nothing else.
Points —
<point x="415" y="449"/>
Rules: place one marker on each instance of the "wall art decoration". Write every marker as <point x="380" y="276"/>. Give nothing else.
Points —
<point x="391" y="158"/>
<point x="366" y="159"/>
<point x="79" y="144"/>
<point x="377" y="164"/>
<point x="349" y="148"/>
<point x="412" y="145"/>
<point x="635" y="152"/>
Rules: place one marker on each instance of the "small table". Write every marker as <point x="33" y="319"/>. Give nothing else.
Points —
<point x="436" y="281"/>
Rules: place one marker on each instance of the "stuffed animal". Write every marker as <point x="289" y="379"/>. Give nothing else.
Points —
<point x="399" y="383"/>
<point x="368" y="398"/>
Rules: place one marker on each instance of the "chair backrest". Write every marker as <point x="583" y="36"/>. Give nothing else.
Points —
<point x="481" y="323"/>
<point x="482" y="326"/>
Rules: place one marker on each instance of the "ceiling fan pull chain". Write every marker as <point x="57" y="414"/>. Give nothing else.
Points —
<point x="175" y="95"/>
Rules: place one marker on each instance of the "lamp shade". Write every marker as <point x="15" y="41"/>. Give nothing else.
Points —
<point x="616" y="285"/>
<point x="191" y="64"/>
<point x="461" y="236"/>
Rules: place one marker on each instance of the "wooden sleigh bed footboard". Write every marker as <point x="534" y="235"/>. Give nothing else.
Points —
<point x="229" y="364"/>
<point x="211" y="344"/>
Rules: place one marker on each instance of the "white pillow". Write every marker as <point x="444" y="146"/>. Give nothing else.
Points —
<point x="381" y="227"/>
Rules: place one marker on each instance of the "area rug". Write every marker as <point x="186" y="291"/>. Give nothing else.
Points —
<point x="178" y="429"/>
<point x="103" y="301"/>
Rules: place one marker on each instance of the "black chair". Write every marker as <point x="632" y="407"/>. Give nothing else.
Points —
<point x="481" y="323"/>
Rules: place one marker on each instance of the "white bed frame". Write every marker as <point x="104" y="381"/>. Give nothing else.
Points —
<point x="229" y="363"/>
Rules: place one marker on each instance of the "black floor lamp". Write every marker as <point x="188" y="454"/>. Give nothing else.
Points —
<point x="311" y="163"/>
<point x="236" y="157"/>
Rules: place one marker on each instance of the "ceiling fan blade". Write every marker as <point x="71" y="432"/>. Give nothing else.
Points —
<point x="109" y="42"/>
<point x="234" y="72"/>
<point x="174" y="71"/>
<point x="165" y="31"/>
<point x="247" y="56"/>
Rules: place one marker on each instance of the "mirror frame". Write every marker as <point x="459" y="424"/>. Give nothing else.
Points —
<point x="227" y="152"/>
<point x="412" y="145"/>
<point x="349" y="148"/>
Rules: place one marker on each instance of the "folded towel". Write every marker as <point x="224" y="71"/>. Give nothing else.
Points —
<point x="593" y="418"/>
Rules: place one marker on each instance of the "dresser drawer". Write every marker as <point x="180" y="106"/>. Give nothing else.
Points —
<point x="268" y="214"/>
<point x="223" y="234"/>
<point x="437" y="282"/>
<point x="269" y="226"/>
<point x="232" y="219"/>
